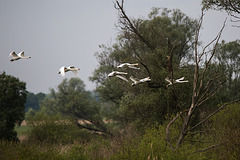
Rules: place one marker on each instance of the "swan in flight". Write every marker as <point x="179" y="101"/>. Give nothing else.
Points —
<point x="118" y="74"/>
<point x="135" y="81"/>
<point x="129" y="65"/>
<point x="64" y="69"/>
<point x="17" y="56"/>
<point x="180" y="80"/>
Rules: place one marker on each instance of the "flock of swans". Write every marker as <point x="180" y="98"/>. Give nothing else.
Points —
<point x="62" y="70"/>
<point x="136" y="81"/>
<point x="121" y="75"/>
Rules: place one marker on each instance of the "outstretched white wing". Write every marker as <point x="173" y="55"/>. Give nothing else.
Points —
<point x="147" y="79"/>
<point x="121" y="65"/>
<point x="133" y="67"/>
<point x="133" y="79"/>
<point x="111" y="74"/>
<point x="62" y="71"/>
<point x="121" y="77"/>
<point x="180" y="79"/>
<point x="121" y="73"/>
<point x="168" y="80"/>
<point x="13" y="54"/>
<point x="21" y="54"/>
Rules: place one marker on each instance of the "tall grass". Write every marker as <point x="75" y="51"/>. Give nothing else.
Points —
<point x="21" y="151"/>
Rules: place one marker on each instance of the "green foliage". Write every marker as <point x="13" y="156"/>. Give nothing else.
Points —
<point x="33" y="101"/>
<point x="53" y="130"/>
<point x="229" y="6"/>
<point x="20" y="151"/>
<point x="76" y="153"/>
<point x="152" y="145"/>
<point x="169" y="33"/>
<point x="225" y="133"/>
<point x="12" y="98"/>
<point x="72" y="100"/>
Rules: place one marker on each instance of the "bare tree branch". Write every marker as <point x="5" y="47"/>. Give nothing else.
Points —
<point x="216" y="145"/>
<point x="128" y="23"/>
<point x="197" y="97"/>
<point x="235" y="101"/>
<point x="168" y="127"/>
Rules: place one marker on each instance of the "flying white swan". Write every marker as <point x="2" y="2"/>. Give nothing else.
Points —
<point x="135" y="81"/>
<point x="17" y="56"/>
<point x="170" y="82"/>
<point x="64" y="69"/>
<point x="129" y="65"/>
<point x="118" y="74"/>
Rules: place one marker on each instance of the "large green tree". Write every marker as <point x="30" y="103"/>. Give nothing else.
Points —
<point x="72" y="100"/>
<point x="12" y="98"/>
<point x="228" y="56"/>
<point x="147" y="42"/>
<point x="33" y="101"/>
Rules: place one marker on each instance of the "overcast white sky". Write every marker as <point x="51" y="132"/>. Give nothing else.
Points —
<point x="68" y="32"/>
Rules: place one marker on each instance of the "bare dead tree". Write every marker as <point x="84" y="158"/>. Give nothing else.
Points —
<point x="203" y="89"/>
<point x="201" y="92"/>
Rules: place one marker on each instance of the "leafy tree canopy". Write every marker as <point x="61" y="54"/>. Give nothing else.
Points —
<point x="33" y="101"/>
<point x="228" y="5"/>
<point x="72" y="100"/>
<point x="166" y="33"/>
<point x="12" y="98"/>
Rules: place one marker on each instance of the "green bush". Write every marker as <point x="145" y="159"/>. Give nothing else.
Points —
<point x="21" y="151"/>
<point x="226" y="133"/>
<point x="152" y="145"/>
<point x="76" y="152"/>
<point x="54" y="130"/>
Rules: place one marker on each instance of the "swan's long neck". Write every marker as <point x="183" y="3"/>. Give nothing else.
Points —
<point x="74" y="69"/>
<point x="25" y="57"/>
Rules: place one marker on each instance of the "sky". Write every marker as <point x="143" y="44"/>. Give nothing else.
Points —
<point x="58" y="33"/>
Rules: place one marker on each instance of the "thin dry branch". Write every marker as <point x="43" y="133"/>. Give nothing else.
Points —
<point x="141" y="62"/>
<point x="206" y="91"/>
<point x="210" y="95"/>
<point x="198" y="81"/>
<point x="197" y="132"/>
<point x="168" y="127"/>
<point x="216" y="145"/>
<point x="217" y="38"/>
<point x="127" y="23"/>
<point x="209" y="116"/>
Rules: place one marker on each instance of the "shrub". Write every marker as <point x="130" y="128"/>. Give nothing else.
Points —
<point x="54" y="130"/>
<point x="20" y="151"/>
<point x="152" y="145"/>
<point x="226" y="133"/>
